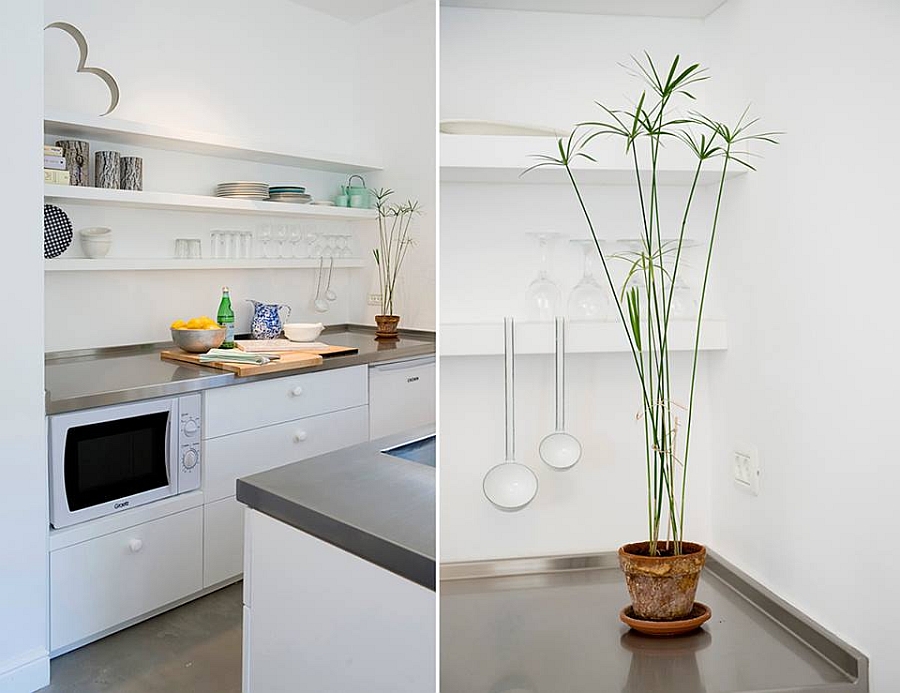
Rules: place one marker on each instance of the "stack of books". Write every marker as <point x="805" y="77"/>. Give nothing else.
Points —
<point x="55" y="166"/>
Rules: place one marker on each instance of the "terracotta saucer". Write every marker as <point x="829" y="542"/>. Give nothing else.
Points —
<point x="699" y="615"/>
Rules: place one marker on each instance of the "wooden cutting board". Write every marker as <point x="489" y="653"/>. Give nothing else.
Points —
<point x="288" y="361"/>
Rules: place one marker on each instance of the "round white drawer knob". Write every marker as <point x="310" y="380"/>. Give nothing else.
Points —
<point x="297" y="391"/>
<point x="135" y="545"/>
<point x="299" y="436"/>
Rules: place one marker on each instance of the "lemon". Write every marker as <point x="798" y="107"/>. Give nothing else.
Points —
<point x="178" y="325"/>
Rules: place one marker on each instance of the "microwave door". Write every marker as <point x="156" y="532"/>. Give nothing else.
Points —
<point x="110" y="459"/>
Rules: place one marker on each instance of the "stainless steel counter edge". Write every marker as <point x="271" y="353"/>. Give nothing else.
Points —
<point x="208" y="378"/>
<point x="417" y="565"/>
<point x="840" y="654"/>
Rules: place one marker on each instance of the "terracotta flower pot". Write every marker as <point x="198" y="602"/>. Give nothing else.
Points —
<point x="662" y="588"/>
<point x="387" y="326"/>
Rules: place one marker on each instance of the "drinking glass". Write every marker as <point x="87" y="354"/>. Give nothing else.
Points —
<point x="214" y="240"/>
<point x="589" y="300"/>
<point x="543" y="295"/>
<point x="194" y="250"/>
<point x="246" y="245"/>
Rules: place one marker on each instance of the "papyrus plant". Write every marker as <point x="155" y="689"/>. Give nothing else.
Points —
<point x="394" y="242"/>
<point x="649" y="131"/>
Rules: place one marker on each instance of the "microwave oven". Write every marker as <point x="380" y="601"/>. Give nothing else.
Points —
<point x="110" y="459"/>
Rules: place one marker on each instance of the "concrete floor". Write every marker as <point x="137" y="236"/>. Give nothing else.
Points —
<point x="195" y="648"/>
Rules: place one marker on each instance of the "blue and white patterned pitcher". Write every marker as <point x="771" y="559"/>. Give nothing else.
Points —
<point x="266" y="322"/>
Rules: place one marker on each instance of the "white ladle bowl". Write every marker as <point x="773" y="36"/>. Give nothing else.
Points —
<point x="510" y="485"/>
<point x="560" y="450"/>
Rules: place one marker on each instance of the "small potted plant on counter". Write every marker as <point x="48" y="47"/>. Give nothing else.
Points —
<point x="662" y="572"/>
<point x="394" y="242"/>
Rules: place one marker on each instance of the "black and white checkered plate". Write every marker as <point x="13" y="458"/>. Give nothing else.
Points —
<point x="57" y="231"/>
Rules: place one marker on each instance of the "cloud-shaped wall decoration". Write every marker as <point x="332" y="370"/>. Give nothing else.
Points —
<point x="76" y="34"/>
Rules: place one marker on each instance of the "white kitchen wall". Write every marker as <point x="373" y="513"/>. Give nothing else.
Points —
<point x="547" y="69"/>
<point x="24" y="662"/>
<point x="270" y="71"/>
<point x="809" y="376"/>
<point x="396" y="54"/>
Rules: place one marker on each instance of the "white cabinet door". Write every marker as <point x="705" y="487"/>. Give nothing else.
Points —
<point x="321" y="619"/>
<point x="401" y="396"/>
<point x="230" y="457"/>
<point x="250" y="405"/>
<point x="223" y="540"/>
<point x="101" y="583"/>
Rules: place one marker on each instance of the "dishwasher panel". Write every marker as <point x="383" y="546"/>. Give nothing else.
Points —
<point x="401" y="396"/>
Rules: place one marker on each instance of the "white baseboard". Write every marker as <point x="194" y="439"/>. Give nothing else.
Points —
<point x="28" y="672"/>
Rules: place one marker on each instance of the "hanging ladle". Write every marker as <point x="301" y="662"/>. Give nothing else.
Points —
<point x="560" y="450"/>
<point x="510" y="485"/>
<point x="329" y="294"/>
<point x="320" y="304"/>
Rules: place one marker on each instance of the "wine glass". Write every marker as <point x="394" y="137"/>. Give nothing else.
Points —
<point x="296" y="240"/>
<point x="280" y="233"/>
<point x="543" y="294"/>
<point x="266" y="246"/>
<point x="343" y="246"/>
<point x="589" y="300"/>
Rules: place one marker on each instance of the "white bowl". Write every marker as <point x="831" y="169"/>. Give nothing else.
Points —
<point x="303" y="331"/>
<point x="96" y="232"/>
<point x="96" y="241"/>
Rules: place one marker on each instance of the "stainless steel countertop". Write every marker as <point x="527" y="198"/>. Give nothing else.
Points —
<point x="551" y="626"/>
<point x="93" y="378"/>
<point x="375" y="506"/>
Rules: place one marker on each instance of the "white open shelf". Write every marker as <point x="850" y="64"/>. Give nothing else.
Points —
<point x="486" y="339"/>
<point x="138" y="264"/>
<point x="502" y="159"/>
<point x="198" y="203"/>
<point x="80" y="126"/>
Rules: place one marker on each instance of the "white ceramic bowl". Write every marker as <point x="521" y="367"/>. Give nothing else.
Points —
<point x="303" y="331"/>
<point x="95" y="241"/>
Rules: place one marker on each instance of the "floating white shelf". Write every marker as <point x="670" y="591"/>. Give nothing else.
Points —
<point x="486" y="339"/>
<point x="695" y="9"/>
<point x="502" y="159"/>
<point x="199" y="203"/>
<point x="140" y="264"/>
<point x="81" y="126"/>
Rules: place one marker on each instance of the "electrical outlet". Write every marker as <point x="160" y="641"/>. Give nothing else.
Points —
<point x="374" y="299"/>
<point x="745" y="469"/>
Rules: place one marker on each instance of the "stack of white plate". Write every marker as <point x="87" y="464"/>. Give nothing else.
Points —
<point x="244" y="190"/>
<point x="289" y="193"/>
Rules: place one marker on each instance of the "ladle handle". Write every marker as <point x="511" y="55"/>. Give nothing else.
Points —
<point x="509" y="380"/>
<point x="560" y="373"/>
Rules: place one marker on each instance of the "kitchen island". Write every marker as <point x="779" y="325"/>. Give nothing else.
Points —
<point x="339" y="569"/>
<point x="547" y="625"/>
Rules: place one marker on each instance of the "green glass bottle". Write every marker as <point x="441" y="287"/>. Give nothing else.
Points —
<point x="225" y="317"/>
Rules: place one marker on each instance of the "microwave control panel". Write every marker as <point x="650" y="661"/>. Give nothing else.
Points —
<point x="189" y="442"/>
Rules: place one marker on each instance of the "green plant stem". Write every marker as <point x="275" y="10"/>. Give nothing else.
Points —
<point x="712" y="239"/>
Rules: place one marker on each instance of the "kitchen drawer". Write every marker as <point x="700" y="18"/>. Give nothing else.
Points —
<point x="251" y="405"/>
<point x="101" y="583"/>
<point x="401" y="396"/>
<point x="223" y="540"/>
<point x="230" y="457"/>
